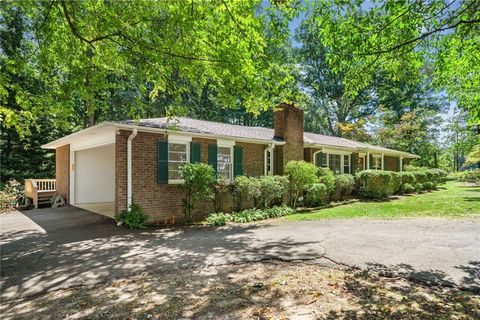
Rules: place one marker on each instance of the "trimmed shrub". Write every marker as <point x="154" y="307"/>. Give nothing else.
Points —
<point x="220" y="189"/>
<point x="407" y="188"/>
<point x="241" y="191"/>
<point x="271" y="190"/>
<point x="418" y="187"/>
<point x="316" y="195"/>
<point x="472" y="176"/>
<point x="407" y="177"/>
<point x="376" y="184"/>
<point x="301" y="176"/>
<point x="396" y="182"/>
<point x="344" y="184"/>
<point x="134" y="217"/>
<point x="218" y="219"/>
<point x="326" y="176"/>
<point x="420" y="176"/>
<point x="428" y="186"/>
<point x="198" y="180"/>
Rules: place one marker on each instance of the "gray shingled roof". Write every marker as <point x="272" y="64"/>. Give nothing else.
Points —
<point x="246" y="132"/>
<point x="205" y="127"/>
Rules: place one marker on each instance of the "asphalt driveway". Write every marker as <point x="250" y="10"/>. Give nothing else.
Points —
<point x="47" y="249"/>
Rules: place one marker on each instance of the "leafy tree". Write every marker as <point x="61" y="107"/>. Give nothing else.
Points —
<point x="400" y="37"/>
<point x="330" y="105"/>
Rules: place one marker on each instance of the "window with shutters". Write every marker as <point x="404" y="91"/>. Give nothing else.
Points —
<point x="224" y="162"/>
<point x="178" y="154"/>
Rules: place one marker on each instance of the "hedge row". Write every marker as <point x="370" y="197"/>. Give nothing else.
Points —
<point x="380" y="184"/>
<point x="304" y="184"/>
<point x="472" y="176"/>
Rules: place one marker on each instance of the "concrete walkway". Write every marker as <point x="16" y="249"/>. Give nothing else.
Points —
<point x="47" y="249"/>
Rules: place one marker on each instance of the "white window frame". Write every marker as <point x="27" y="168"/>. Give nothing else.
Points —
<point x="340" y="153"/>
<point x="380" y="165"/>
<point x="349" y="163"/>
<point x="227" y="144"/>
<point x="177" y="139"/>
<point x="270" y="150"/>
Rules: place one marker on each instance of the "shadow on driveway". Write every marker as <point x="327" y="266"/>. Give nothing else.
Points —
<point x="48" y="249"/>
<point x="79" y="247"/>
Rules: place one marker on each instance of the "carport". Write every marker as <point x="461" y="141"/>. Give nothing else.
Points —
<point x="85" y="169"/>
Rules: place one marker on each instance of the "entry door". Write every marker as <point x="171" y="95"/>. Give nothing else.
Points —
<point x="361" y="163"/>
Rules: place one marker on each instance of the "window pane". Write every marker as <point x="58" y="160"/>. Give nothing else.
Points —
<point x="174" y="175"/>
<point x="224" y="162"/>
<point x="174" y="165"/>
<point x="177" y="156"/>
<point x="178" y="147"/>
<point x="334" y="162"/>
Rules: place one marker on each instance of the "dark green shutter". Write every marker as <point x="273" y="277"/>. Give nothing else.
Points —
<point x="398" y="164"/>
<point x="162" y="161"/>
<point x="238" y="161"/>
<point x="212" y="156"/>
<point x="370" y="162"/>
<point x="353" y="163"/>
<point x="195" y="152"/>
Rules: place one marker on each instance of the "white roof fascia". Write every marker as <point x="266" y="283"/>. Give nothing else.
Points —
<point x="67" y="139"/>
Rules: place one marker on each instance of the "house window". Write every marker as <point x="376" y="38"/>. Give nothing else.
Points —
<point x="377" y="163"/>
<point x="177" y="155"/>
<point x="269" y="161"/>
<point x="346" y="163"/>
<point x="224" y="162"/>
<point x="334" y="163"/>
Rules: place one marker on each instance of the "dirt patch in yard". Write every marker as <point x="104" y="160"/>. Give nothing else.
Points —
<point x="268" y="290"/>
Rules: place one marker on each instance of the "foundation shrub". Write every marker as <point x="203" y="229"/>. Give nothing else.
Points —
<point x="419" y="187"/>
<point x="375" y="184"/>
<point x="301" y="175"/>
<point x="407" y="177"/>
<point x="220" y="191"/>
<point x="134" y="217"/>
<point x="428" y="186"/>
<point x="198" y="180"/>
<point x="344" y="184"/>
<point x="407" y="188"/>
<point x="316" y="195"/>
<point x="271" y="190"/>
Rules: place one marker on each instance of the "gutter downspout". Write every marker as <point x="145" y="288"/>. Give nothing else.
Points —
<point x="129" y="167"/>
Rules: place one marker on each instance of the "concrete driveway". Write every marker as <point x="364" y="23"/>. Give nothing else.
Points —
<point x="47" y="249"/>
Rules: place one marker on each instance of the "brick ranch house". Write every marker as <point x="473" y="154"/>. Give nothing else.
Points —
<point x="104" y="167"/>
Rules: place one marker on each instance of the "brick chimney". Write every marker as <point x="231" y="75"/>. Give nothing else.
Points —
<point x="288" y="126"/>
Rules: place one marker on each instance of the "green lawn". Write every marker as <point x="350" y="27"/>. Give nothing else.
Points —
<point x="453" y="200"/>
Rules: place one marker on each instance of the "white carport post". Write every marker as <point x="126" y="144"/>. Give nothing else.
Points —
<point x="129" y="167"/>
<point x="401" y="163"/>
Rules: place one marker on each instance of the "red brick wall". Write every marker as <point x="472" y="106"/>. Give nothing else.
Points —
<point x="162" y="202"/>
<point x="308" y="154"/>
<point x="62" y="171"/>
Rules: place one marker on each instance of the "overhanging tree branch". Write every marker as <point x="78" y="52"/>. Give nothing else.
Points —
<point x="421" y="37"/>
